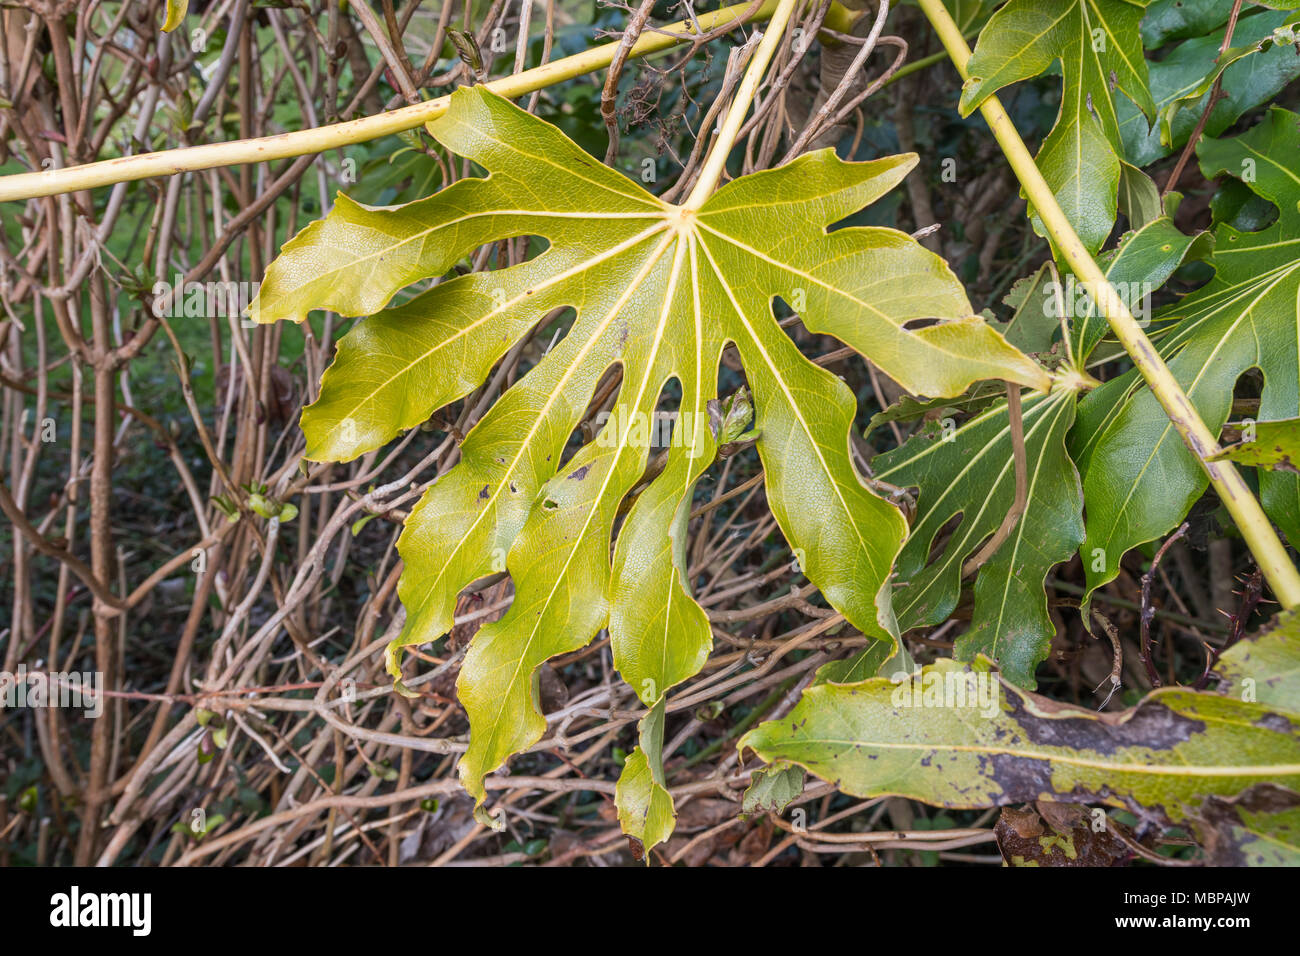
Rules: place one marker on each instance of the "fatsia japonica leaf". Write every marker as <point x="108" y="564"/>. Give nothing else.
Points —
<point x="969" y="472"/>
<point x="1139" y="197"/>
<point x="970" y="14"/>
<point x="1261" y="827"/>
<point x="1139" y="477"/>
<point x="657" y="292"/>
<point x="1167" y="20"/>
<point x="1099" y="47"/>
<point x="1282" y="36"/>
<point x="772" y="789"/>
<point x="956" y="737"/>
<point x="909" y="408"/>
<point x="1137" y="268"/>
<point x="645" y="807"/>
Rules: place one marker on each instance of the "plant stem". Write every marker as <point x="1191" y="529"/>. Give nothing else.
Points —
<point x="1231" y="487"/>
<point x="301" y="142"/>
<point x="716" y="162"/>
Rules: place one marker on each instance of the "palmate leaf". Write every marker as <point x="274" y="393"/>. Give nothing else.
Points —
<point x="1139" y="477"/>
<point x="943" y="737"/>
<point x="1100" y="51"/>
<point x="969" y="472"/>
<point x="658" y="291"/>
<point x="1266" y="667"/>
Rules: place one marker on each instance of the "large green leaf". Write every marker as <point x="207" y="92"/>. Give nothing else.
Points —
<point x="1282" y="38"/>
<point x="658" y="292"/>
<point x="1139" y="477"/>
<point x="969" y="472"/>
<point x="1100" y="51"/>
<point x="1167" y="20"/>
<point x="953" y="737"/>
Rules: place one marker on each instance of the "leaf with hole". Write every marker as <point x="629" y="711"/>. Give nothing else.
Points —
<point x="966" y="482"/>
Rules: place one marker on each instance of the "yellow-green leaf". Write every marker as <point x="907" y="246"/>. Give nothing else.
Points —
<point x="956" y="737"/>
<point x="657" y="290"/>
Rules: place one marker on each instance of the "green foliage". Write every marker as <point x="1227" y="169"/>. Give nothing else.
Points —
<point x="968" y="472"/>
<point x="1139" y="477"/>
<point x="594" y="535"/>
<point x="1097" y="44"/>
<point x="1248" y="80"/>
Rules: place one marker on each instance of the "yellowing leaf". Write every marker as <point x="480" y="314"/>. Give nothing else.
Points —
<point x="956" y="737"/>
<point x="658" y="291"/>
<point x="645" y="807"/>
<point x="1275" y="446"/>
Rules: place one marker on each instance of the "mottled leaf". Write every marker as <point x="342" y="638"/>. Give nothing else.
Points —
<point x="772" y="789"/>
<point x="1259" y="828"/>
<point x="1276" y="446"/>
<point x="1266" y="666"/>
<point x="935" y="738"/>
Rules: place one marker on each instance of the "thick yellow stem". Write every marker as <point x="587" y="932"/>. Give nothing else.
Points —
<point x="52" y="182"/>
<point x="716" y="161"/>
<point x="1232" y="489"/>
